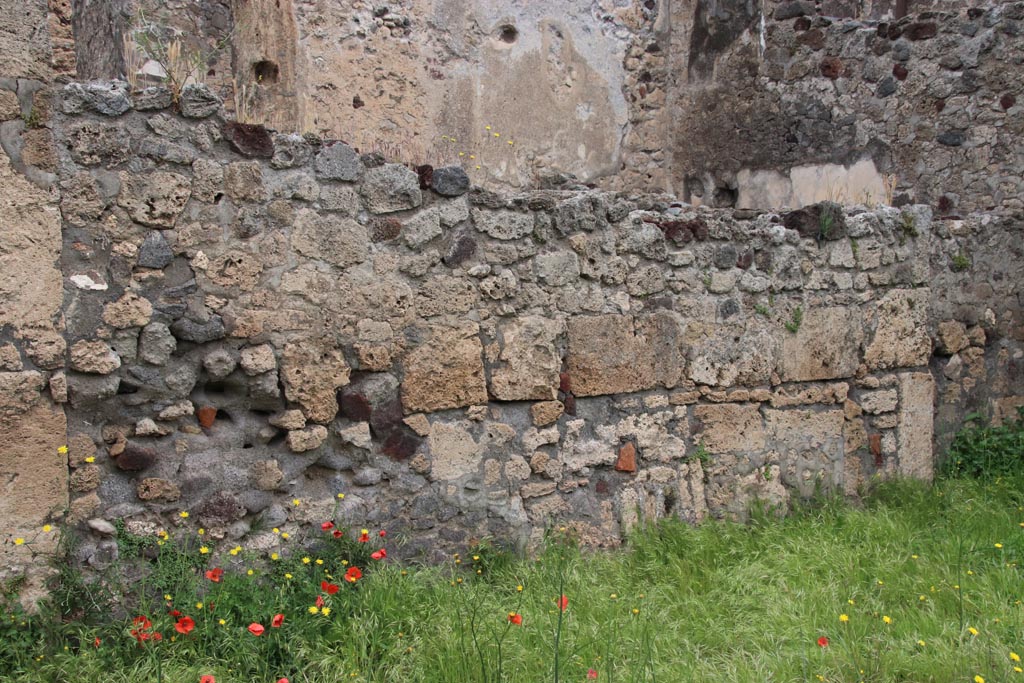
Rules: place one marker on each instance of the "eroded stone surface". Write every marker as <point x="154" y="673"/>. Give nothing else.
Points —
<point x="446" y="371"/>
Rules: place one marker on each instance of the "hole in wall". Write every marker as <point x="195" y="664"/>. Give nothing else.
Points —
<point x="507" y="33"/>
<point x="726" y="196"/>
<point x="224" y="415"/>
<point x="265" y="71"/>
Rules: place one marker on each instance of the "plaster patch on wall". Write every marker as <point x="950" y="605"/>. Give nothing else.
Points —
<point x="860" y="183"/>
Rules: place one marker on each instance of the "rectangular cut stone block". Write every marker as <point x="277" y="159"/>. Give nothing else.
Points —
<point x="447" y="371"/>
<point x="529" y="363"/>
<point x="901" y="334"/>
<point x="827" y="345"/>
<point x="615" y="354"/>
<point x="729" y="427"/>
<point x="809" y="445"/>
<point x="915" y="431"/>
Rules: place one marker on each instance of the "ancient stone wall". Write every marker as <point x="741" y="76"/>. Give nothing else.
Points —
<point x="257" y="317"/>
<point x="794" y="102"/>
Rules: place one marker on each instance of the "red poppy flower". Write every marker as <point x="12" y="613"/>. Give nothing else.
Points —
<point x="364" y="537"/>
<point x="282" y="680"/>
<point x="591" y="674"/>
<point x="96" y="642"/>
<point x="256" y="629"/>
<point x="157" y="637"/>
<point x="563" y="603"/>
<point x="174" y="613"/>
<point x="185" y="625"/>
<point x="353" y="574"/>
<point x="277" y="620"/>
<point x="319" y="601"/>
<point x="382" y="533"/>
<point x="328" y="588"/>
<point x="215" y="574"/>
<point x="380" y="554"/>
<point x="823" y="641"/>
<point x="515" y="618"/>
<point x="207" y="679"/>
<point x="327" y="526"/>
<point x="337" y="533"/>
<point x="141" y="622"/>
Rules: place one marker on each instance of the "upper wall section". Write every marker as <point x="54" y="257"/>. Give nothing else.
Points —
<point x="786" y="103"/>
<point x="515" y="91"/>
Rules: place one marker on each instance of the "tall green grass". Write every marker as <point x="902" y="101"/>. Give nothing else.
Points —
<point x="929" y="578"/>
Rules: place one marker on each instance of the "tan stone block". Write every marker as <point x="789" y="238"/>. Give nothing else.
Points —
<point x="243" y="180"/>
<point x="302" y="440"/>
<point x="267" y="475"/>
<point x="952" y="337"/>
<point x="131" y="310"/>
<point x="256" y="360"/>
<point x="10" y="107"/>
<point x="94" y="357"/>
<point x="881" y="401"/>
<point x="153" y="488"/>
<point x="826" y="346"/>
<point x="729" y="427"/>
<point x="454" y="452"/>
<point x="84" y="507"/>
<point x="613" y="354"/>
<point x="446" y="371"/>
<point x="528" y="365"/>
<point x="312" y="376"/>
<point x="916" y="431"/>
<point x="85" y="478"/>
<point x="418" y="423"/>
<point x="154" y="199"/>
<point x="901" y="333"/>
<point x="10" y="359"/>
<point x="19" y="391"/>
<point x="29" y="247"/>
<point x="546" y="412"/>
<point x="33" y="477"/>
<point x="373" y="357"/>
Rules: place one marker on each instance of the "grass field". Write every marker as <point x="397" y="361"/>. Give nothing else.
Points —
<point x="917" y="583"/>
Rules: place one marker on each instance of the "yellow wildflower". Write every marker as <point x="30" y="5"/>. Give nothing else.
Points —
<point x="973" y="631"/>
<point x="325" y="611"/>
<point x="921" y="643"/>
<point x="319" y="561"/>
<point x="63" y="450"/>
<point x="296" y="502"/>
<point x="288" y="576"/>
<point x="276" y="530"/>
<point x="284" y="535"/>
<point x="313" y="609"/>
<point x="167" y="597"/>
<point x="250" y="572"/>
<point x="1014" y="657"/>
<point x="979" y="679"/>
<point x="887" y="619"/>
<point x="844" y="618"/>
<point x="306" y="560"/>
<point x="275" y="556"/>
<point x="47" y="528"/>
<point x="90" y="459"/>
<point x="999" y="545"/>
<point x="341" y="496"/>
<point x="203" y="550"/>
<point x="199" y="605"/>
<point x="19" y="541"/>
<point x="221" y="622"/>
<point x="183" y="514"/>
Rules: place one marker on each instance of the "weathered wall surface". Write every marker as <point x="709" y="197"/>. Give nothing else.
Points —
<point x="254" y="318"/>
<point x="756" y="104"/>
<point x="812" y="101"/>
<point x="33" y="474"/>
